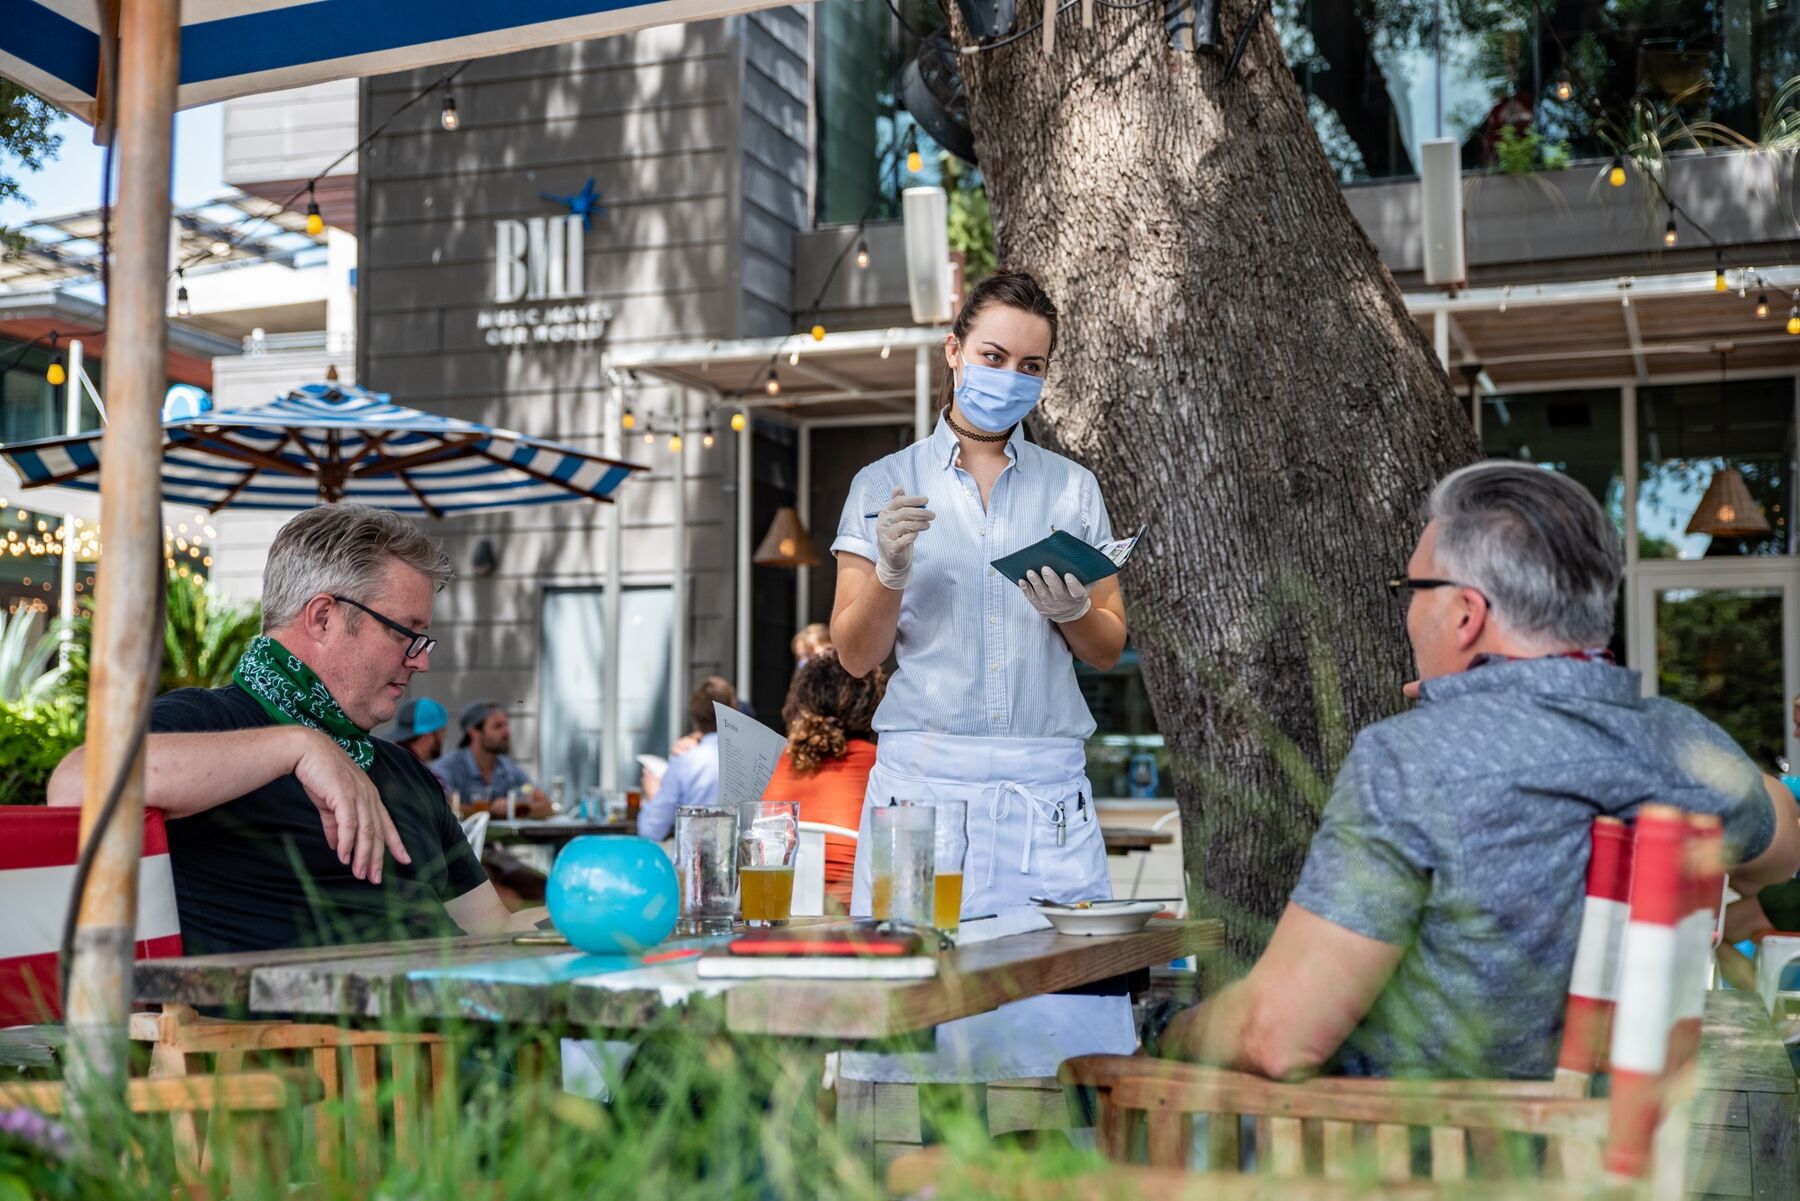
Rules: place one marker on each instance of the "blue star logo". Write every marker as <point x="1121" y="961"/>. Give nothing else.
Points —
<point x="583" y="204"/>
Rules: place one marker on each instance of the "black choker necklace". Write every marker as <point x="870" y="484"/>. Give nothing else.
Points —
<point x="973" y="435"/>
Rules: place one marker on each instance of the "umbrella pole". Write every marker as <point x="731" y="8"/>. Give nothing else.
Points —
<point x="129" y="577"/>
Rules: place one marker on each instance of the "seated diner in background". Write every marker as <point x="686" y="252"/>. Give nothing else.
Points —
<point x="481" y="772"/>
<point x="830" y="716"/>
<point x="691" y="778"/>
<point x="1433" y="929"/>
<point x="282" y="811"/>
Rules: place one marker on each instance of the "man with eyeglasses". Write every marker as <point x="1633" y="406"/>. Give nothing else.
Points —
<point x="1433" y="929"/>
<point x="289" y="824"/>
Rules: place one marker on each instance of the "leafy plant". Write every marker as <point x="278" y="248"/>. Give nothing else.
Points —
<point x="203" y="637"/>
<point x="1523" y="153"/>
<point x="26" y="673"/>
<point x="970" y="223"/>
<point x="33" y="740"/>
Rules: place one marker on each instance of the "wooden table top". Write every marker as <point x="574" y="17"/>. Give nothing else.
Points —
<point x="408" y="980"/>
<point x="1122" y="840"/>
<point x="1740" y="1050"/>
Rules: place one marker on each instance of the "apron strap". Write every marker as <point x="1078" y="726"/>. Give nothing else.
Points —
<point x="1000" y="804"/>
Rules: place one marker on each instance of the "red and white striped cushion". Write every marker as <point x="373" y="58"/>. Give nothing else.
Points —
<point x="38" y="850"/>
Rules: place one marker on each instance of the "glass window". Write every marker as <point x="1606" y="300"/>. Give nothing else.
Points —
<point x="572" y="679"/>
<point x="863" y="132"/>
<point x="1382" y="75"/>
<point x="1689" y="435"/>
<point x="1576" y="433"/>
<point x="1718" y="650"/>
<point x="1125" y="757"/>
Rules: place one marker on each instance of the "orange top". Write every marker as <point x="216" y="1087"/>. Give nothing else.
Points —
<point x="834" y="795"/>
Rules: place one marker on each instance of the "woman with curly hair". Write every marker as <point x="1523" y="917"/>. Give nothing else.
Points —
<point x="830" y="717"/>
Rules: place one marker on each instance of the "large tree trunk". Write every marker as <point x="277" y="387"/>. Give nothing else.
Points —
<point x="1239" y="369"/>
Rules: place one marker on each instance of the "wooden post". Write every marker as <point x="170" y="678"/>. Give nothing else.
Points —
<point x="131" y="528"/>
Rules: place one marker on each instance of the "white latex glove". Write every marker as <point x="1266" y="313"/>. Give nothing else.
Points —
<point x="897" y="527"/>
<point x="1059" y="600"/>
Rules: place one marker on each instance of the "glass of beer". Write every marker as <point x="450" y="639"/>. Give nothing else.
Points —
<point x="950" y="844"/>
<point x="901" y="863"/>
<point x="768" y="837"/>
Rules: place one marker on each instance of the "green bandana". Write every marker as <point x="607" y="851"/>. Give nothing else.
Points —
<point x="290" y="693"/>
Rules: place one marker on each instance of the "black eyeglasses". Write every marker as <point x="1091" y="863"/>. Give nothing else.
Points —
<point x="1401" y="587"/>
<point x="417" y="644"/>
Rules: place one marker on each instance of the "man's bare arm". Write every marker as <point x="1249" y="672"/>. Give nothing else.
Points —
<point x="1315" y="981"/>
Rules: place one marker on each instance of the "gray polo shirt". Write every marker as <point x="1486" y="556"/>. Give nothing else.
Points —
<point x="1459" y="830"/>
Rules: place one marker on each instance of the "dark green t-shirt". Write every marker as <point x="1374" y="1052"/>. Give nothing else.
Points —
<point x="256" y="873"/>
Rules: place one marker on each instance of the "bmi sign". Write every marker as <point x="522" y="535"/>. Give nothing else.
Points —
<point x="540" y="290"/>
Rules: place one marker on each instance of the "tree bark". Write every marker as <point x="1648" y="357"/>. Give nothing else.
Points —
<point x="1238" y="368"/>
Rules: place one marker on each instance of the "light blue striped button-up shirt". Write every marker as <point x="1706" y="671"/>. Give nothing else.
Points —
<point x="975" y="658"/>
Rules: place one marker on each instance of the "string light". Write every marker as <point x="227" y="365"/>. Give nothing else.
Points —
<point x="182" y="307"/>
<point x="448" y="116"/>
<point x="674" y="442"/>
<point x="1793" y="324"/>
<point x="628" y="421"/>
<point x="707" y="439"/>
<point x="220" y="248"/>
<point x="1565" y="87"/>
<point x="55" y="374"/>
<point x="1718" y="272"/>
<point x="739" y="422"/>
<point x="886" y="350"/>
<point x="915" y="162"/>
<point x="818" y="333"/>
<point x="773" y="386"/>
<point x="1762" y="304"/>
<point x="862" y="254"/>
<point x="1670" y="236"/>
<point x="1615" y="174"/>
<point x="649" y="437"/>
<point x="794" y="357"/>
<point x="315" y="224"/>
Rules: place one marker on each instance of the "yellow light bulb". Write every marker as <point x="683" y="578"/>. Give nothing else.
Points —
<point x="1718" y="281"/>
<point x="708" y="440"/>
<point x="739" y="421"/>
<point x="56" y="375"/>
<point x="1793" y="325"/>
<point x="915" y="162"/>
<point x="1615" y="174"/>
<point x="675" y="442"/>
<point x="629" y="420"/>
<point x="818" y="333"/>
<point x="315" y="224"/>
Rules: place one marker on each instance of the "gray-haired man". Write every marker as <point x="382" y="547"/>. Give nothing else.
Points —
<point x="281" y="806"/>
<point x="1433" y="929"/>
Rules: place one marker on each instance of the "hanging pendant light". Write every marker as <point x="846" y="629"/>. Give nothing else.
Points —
<point x="787" y="543"/>
<point x="1727" y="510"/>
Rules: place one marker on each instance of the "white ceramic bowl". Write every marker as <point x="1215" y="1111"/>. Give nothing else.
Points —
<point x="1101" y="919"/>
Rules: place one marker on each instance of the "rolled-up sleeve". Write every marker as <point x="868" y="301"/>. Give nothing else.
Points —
<point x="869" y="492"/>
<point x="1368" y="870"/>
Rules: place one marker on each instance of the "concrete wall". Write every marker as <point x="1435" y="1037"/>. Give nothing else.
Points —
<point x="696" y="137"/>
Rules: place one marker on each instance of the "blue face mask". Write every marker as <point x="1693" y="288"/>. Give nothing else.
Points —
<point x="996" y="399"/>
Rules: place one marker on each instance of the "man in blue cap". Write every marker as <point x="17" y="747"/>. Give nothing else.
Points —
<point x="419" y="727"/>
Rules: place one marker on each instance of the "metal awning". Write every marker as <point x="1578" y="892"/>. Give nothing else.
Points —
<point x="857" y="373"/>
<point x="1608" y="331"/>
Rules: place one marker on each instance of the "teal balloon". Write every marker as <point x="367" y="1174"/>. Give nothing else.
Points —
<point x="611" y="895"/>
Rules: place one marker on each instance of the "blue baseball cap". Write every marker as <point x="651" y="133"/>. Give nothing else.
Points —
<point x="417" y="717"/>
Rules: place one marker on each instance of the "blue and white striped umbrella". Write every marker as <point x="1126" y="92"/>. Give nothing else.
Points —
<point x="330" y="442"/>
<point x="240" y="47"/>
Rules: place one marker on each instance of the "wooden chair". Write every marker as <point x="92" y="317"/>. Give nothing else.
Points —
<point x="406" y="1082"/>
<point x="1646" y="995"/>
<point x="240" y="1106"/>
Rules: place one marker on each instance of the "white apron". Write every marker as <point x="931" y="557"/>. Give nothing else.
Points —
<point x="1016" y="790"/>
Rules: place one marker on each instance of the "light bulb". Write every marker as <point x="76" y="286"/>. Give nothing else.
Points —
<point x="1762" y="304"/>
<point x="818" y="333"/>
<point x="707" y="438"/>
<point x="649" y="438"/>
<point x="448" y="117"/>
<point x="1565" y="90"/>
<point x="315" y="224"/>
<point x="915" y="162"/>
<point x="674" y="442"/>
<point x="1670" y="236"/>
<point x="886" y="351"/>
<point x="773" y="387"/>
<point x="1719" y="280"/>
<point x="1615" y="174"/>
<point x="629" y="420"/>
<point x="220" y="248"/>
<point x="182" y="307"/>
<point x="794" y="358"/>
<point x="862" y="254"/>
<point x="1793" y="325"/>
<point x="55" y="374"/>
<point x="739" y="421"/>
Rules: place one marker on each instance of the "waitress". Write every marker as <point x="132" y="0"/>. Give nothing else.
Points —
<point x="984" y="707"/>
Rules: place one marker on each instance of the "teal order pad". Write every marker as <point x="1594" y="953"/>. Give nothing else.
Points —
<point x="1066" y="554"/>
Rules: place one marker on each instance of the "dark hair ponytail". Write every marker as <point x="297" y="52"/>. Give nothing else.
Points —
<point x="1013" y="289"/>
